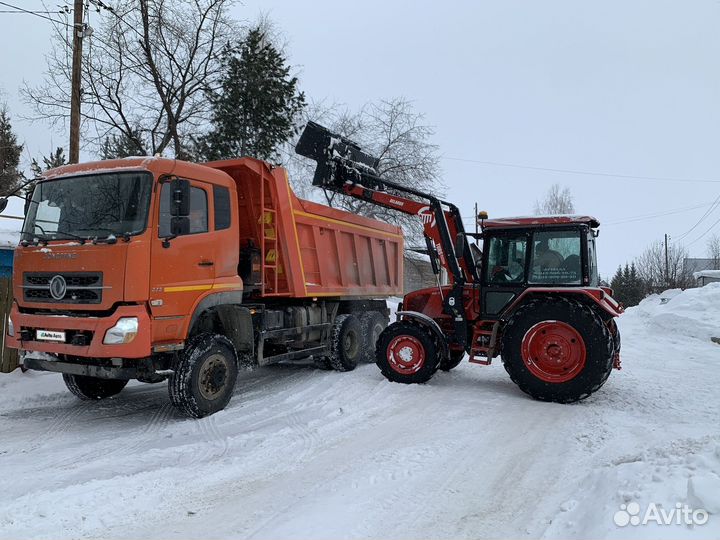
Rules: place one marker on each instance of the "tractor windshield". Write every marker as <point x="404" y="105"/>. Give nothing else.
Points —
<point x="556" y="258"/>
<point x="89" y="206"/>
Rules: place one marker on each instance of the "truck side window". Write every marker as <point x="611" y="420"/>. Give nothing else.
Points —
<point x="222" y="207"/>
<point x="198" y="211"/>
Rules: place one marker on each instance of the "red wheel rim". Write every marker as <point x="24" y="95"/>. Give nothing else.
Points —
<point x="553" y="351"/>
<point x="406" y="354"/>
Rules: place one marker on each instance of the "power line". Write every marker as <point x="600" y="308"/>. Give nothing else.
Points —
<point x="585" y="173"/>
<point x="656" y="215"/>
<point x="35" y="13"/>
<point x="703" y="234"/>
<point x="709" y="211"/>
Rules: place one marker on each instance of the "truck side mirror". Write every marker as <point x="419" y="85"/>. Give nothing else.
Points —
<point x="3" y="204"/>
<point x="179" y="225"/>
<point x="180" y="202"/>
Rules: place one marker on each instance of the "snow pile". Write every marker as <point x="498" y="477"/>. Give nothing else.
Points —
<point x="693" y="313"/>
<point x="654" y="488"/>
<point x="665" y="428"/>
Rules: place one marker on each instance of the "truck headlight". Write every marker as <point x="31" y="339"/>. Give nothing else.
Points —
<point x="10" y="327"/>
<point x="124" y="331"/>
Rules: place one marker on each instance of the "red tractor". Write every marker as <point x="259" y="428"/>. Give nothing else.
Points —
<point x="530" y="295"/>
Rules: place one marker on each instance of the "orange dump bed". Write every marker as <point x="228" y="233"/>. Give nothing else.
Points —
<point x="297" y="248"/>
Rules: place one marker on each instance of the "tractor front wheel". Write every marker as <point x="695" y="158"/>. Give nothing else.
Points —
<point x="557" y="349"/>
<point x="407" y="353"/>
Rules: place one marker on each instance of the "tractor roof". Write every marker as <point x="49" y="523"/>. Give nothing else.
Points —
<point x="539" y="221"/>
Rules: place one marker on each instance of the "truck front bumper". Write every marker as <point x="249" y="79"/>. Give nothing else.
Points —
<point x="83" y="335"/>
<point x="145" y="369"/>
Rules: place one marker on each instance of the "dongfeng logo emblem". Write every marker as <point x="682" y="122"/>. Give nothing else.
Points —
<point x="58" y="287"/>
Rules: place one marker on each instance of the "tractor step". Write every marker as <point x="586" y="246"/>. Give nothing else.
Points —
<point x="483" y="362"/>
<point x="483" y="342"/>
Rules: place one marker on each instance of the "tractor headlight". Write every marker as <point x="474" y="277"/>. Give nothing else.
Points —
<point x="10" y="327"/>
<point x="124" y="331"/>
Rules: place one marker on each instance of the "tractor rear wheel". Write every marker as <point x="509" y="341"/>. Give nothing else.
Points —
<point x="453" y="361"/>
<point x="407" y="353"/>
<point x="557" y="349"/>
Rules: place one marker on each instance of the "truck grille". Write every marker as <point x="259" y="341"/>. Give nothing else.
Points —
<point x="68" y="288"/>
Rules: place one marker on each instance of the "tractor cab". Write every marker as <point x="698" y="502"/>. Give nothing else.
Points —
<point x="545" y="252"/>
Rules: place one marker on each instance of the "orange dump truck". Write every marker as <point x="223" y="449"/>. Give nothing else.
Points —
<point x="155" y="269"/>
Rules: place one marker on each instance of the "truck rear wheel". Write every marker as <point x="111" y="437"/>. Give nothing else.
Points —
<point x="372" y="323"/>
<point x="93" y="388"/>
<point x="204" y="375"/>
<point x="407" y="353"/>
<point x="346" y="343"/>
<point x="557" y="349"/>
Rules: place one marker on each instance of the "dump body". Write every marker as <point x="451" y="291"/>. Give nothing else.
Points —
<point x="297" y="248"/>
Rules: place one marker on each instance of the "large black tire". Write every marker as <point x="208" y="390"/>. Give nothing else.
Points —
<point x="93" y="388"/>
<point x="557" y="349"/>
<point x="204" y="375"/>
<point x="407" y="353"/>
<point x="446" y="364"/>
<point x="346" y="343"/>
<point x="372" y="324"/>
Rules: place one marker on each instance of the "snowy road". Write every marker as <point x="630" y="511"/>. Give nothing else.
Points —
<point x="301" y="453"/>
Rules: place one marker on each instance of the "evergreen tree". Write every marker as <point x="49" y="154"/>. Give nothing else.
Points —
<point x="10" y="152"/>
<point x="55" y="159"/>
<point x="51" y="161"/>
<point x="628" y="287"/>
<point x="617" y="284"/>
<point x="254" y="110"/>
<point x="123" y="145"/>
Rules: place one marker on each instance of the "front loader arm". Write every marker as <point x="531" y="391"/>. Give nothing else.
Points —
<point x="344" y="168"/>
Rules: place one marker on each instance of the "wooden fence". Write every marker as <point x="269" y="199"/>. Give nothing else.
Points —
<point x="9" y="359"/>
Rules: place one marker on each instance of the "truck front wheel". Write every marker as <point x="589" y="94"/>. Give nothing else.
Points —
<point x="93" y="388"/>
<point x="204" y="375"/>
<point x="557" y="349"/>
<point x="407" y="353"/>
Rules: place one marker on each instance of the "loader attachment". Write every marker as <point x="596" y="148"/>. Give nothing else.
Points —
<point x="329" y="149"/>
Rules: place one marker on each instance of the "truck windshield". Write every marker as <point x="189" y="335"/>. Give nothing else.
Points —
<point x="89" y="206"/>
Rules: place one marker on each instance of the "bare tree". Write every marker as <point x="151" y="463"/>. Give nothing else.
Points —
<point x="652" y="268"/>
<point x="394" y="132"/>
<point x="713" y="251"/>
<point x="558" y="200"/>
<point x="145" y="70"/>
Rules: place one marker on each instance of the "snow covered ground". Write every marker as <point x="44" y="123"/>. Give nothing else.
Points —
<point x="301" y="453"/>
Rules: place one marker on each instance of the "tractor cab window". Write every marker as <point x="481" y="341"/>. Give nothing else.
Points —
<point x="506" y="260"/>
<point x="592" y="262"/>
<point x="555" y="258"/>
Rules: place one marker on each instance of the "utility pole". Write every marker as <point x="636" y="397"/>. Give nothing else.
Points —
<point x="76" y="80"/>
<point x="667" y="264"/>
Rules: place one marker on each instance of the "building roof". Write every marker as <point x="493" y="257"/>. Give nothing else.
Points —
<point x="539" y="221"/>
